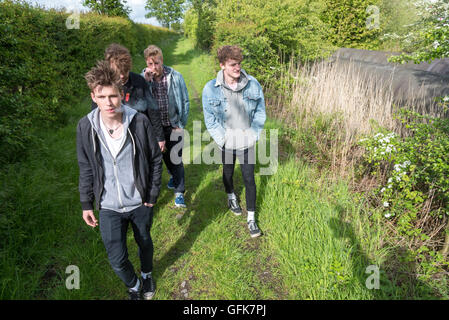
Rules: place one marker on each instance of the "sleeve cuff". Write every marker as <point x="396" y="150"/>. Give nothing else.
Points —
<point x="87" y="206"/>
<point x="152" y="199"/>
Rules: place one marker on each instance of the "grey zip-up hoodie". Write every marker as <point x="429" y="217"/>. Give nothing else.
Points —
<point x="120" y="193"/>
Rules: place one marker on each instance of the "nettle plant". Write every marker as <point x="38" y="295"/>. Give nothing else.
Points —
<point x="416" y="171"/>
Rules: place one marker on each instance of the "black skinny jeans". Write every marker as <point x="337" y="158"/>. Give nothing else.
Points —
<point x="113" y="229"/>
<point x="247" y="164"/>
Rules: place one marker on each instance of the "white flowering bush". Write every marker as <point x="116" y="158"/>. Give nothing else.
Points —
<point x="429" y="38"/>
<point x="381" y="147"/>
<point x="416" y="167"/>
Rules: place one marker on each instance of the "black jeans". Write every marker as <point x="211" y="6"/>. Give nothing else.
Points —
<point x="247" y="165"/>
<point x="173" y="160"/>
<point x="113" y="229"/>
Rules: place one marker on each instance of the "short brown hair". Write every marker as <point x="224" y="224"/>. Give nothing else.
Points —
<point x="229" y="52"/>
<point x="152" y="51"/>
<point x="120" y="56"/>
<point x="103" y="75"/>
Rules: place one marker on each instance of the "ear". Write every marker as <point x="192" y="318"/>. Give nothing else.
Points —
<point x="222" y="66"/>
<point x="92" y="95"/>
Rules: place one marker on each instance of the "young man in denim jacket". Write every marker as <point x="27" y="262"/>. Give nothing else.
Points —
<point x="234" y="113"/>
<point x="168" y="88"/>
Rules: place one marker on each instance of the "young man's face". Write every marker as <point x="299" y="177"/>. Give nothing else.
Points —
<point x="231" y="69"/>
<point x="108" y="100"/>
<point x="123" y="75"/>
<point x="155" y="64"/>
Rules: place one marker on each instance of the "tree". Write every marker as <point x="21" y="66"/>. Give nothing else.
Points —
<point x="199" y="22"/>
<point x="109" y="7"/>
<point x="166" y="12"/>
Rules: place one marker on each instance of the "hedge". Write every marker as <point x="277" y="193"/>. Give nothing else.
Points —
<point x="42" y="63"/>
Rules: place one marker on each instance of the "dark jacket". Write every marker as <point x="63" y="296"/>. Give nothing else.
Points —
<point x="147" y="161"/>
<point x="137" y="96"/>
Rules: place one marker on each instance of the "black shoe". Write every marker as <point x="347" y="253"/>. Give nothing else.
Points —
<point x="133" y="295"/>
<point x="254" y="230"/>
<point x="234" y="206"/>
<point x="149" y="288"/>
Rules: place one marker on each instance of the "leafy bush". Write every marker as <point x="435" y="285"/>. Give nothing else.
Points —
<point x="271" y="32"/>
<point x="427" y="38"/>
<point x="415" y="196"/>
<point x="42" y="64"/>
<point x="347" y="20"/>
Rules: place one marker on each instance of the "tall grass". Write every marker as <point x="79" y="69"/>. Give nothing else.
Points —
<point x="331" y="105"/>
<point x="327" y="109"/>
<point x="321" y="238"/>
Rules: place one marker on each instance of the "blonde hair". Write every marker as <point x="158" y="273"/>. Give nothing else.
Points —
<point x="152" y="51"/>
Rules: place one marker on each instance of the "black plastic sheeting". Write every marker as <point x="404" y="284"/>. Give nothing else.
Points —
<point x="419" y="82"/>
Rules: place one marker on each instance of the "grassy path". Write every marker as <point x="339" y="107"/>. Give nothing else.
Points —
<point x="317" y="242"/>
<point x="207" y="253"/>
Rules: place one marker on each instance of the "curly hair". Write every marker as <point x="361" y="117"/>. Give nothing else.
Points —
<point x="103" y="75"/>
<point x="225" y="53"/>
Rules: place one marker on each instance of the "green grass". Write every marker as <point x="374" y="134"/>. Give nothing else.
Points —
<point x="317" y="239"/>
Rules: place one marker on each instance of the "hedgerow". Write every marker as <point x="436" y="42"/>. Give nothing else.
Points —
<point x="42" y="63"/>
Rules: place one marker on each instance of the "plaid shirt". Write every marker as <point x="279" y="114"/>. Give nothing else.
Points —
<point x="160" y="93"/>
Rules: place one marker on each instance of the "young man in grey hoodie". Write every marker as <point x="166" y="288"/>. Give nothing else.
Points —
<point x="120" y="166"/>
<point x="234" y="114"/>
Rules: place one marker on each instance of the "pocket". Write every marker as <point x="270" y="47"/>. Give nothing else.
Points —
<point x="252" y="101"/>
<point x="213" y="103"/>
<point x="215" y="106"/>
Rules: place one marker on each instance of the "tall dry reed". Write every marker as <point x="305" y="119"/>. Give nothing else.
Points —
<point x="353" y="101"/>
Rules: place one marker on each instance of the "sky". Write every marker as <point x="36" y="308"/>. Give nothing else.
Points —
<point x="137" y="6"/>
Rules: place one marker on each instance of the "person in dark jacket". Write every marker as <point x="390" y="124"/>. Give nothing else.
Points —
<point x="136" y="90"/>
<point x="120" y="166"/>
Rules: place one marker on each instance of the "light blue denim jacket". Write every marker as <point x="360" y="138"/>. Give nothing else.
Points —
<point x="215" y="104"/>
<point x="178" y="98"/>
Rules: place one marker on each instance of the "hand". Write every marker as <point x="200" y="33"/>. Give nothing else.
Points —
<point x="89" y="218"/>
<point x="148" y="204"/>
<point x="162" y="146"/>
<point x="148" y="74"/>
